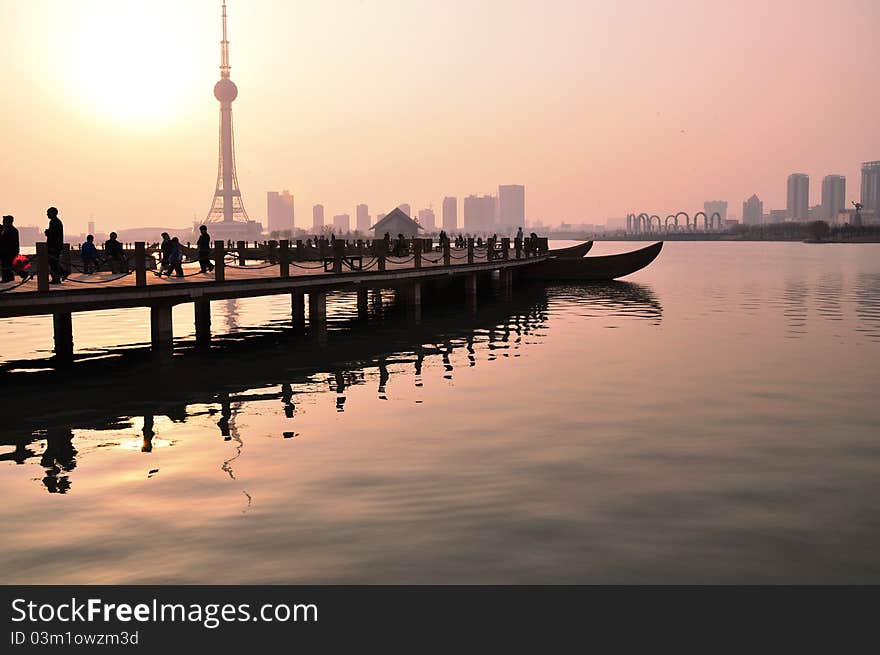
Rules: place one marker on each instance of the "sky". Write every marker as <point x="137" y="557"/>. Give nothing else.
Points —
<point x="599" y="108"/>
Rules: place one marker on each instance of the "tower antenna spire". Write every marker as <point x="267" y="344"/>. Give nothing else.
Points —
<point x="224" y="48"/>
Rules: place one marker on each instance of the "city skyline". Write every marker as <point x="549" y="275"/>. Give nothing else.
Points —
<point x="571" y="124"/>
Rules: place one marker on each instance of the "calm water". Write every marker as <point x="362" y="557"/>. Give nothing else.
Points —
<point x="713" y="419"/>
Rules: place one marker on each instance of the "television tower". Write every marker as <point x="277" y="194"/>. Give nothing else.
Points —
<point x="227" y="206"/>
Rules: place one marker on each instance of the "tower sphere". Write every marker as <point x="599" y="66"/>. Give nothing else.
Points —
<point x="225" y="90"/>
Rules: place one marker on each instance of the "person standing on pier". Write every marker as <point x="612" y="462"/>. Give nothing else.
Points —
<point x="55" y="244"/>
<point x="9" y="248"/>
<point x="164" y="248"/>
<point x="204" y="246"/>
<point x="175" y="258"/>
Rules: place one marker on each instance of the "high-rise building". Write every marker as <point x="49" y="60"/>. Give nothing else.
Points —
<point x="363" y="218"/>
<point x="279" y="211"/>
<point x="450" y="214"/>
<point x="716" y="206"/>
<point x="753" y="211"/>
<point x="870" y="197"/>
<point x="512" y="205"/>
<point x="798" y="203"/>
<point x="833" y="196"/>
<point x="379" y="217"/>
<point x="405" y="208"/>
<point x="341" y="223"/>
<point x="318" y="218"/>
<point x="479" y="214"/>
<point x="91" y="227"/>
<point x="427" y="219"/>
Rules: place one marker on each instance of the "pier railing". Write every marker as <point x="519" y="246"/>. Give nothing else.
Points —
<point x="334" y="256"/>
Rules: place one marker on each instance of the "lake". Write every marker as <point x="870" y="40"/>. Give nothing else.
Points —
<point x="711" y="419"/>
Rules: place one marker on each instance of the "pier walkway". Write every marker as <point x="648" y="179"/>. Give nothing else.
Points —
<point x="305" y="281"/>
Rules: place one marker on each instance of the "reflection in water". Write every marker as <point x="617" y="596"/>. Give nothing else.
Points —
<point x="59" y="458"/>
<point x="867" y="294"/>
<point x="795" y="302"/>
<point x="618" y="299"/>
<point x="262" y="360"/>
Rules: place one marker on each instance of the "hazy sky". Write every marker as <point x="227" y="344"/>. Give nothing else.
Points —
<point x="598" y="107"/>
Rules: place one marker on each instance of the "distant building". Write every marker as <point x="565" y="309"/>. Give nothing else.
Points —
<point x="394" y="223"/>
<point x="427" y="219"/>
<point x="833" y="196"/>
<point x="798" y="197"/>
<point x="512" y="205"/>
<point x="379" y="217"/>
<point x="91" y="227"/>
<point x="279" y="211"/>
<point x="870" y="197"/>
<point x="753" y="211"/>
<point x="777" y="216"/>
<point x="363" y="218"/>
<point x="341" y="223"/>
<point x="479" y="214"/>
<point x="405" y="208"/>
<point x="450" y="214"/>
<point x="318" y="218"/>
<point x="716" y="206"/>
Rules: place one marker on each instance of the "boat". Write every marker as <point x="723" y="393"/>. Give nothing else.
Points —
<point x="592" y="269"/>
<point x="577" y="251"/>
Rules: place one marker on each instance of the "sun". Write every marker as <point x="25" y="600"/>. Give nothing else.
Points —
<point x="136" y="63"/>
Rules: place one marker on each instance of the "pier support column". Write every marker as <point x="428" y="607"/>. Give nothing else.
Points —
<point x="318" y="310"/>
<point x="202" y="309"/>
<point x="506" y="286"/>
<point x="63" y="327"/>
<point x="413" y="299"/>
<point x="298" y="309"/>
<point x="161" y="329"/>
<point x="470" y="291"/>
<point x="363" y="303"/>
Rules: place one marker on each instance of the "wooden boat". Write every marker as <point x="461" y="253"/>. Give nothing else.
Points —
<point x="572" y="251"/>
<point x="606" y="267"/>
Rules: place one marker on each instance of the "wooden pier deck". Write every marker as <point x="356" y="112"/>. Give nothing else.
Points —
<point x="300" y="279"/>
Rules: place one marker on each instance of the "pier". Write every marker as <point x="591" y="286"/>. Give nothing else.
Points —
<point x="284" y="271"/>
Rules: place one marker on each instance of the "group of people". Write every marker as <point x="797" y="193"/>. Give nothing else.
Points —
<point x="171" y="254"/>
<point x="13" y="263"/>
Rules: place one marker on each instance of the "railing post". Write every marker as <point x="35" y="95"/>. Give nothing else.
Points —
<point x="284" y="257"/>
<point x="240" y="246"/>
<point x="300" y="250"/>
<point x="338" y="253"/>
<point x="505" y="248"/>
<point x="470" y="250"/>
<point x="219" y="261"/>
<point x="273" y="252"/>
<point x="322" y="247"/>
<point x="517" y="245"/>
<point x="42" y="266"/>
<point x="140" y="263"/>
<point x="381" y="253"/>
<point x="417" y="252"/>
<point x="447" y="253"/>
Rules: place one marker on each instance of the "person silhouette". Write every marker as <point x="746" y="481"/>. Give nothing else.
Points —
<point x="55" y="244"/>
<point x="9" y="248"/>
<point x="204" y="246"/>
